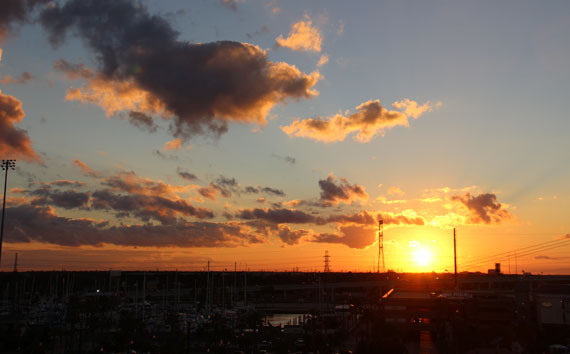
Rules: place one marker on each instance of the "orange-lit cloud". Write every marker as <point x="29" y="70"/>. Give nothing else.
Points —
<point x="131" y="183"/>
<point x="210" y="191"/>
<point x="370" y="119"/>
<point x="336" y="190"/>
<point x="302" y="37"/>
<point x="413" y="109"/>
<point x="483" y="208"/>
<point x="85" y="169"/>
<point x="112" y="95"/>
<point x="175" y="144"/>
<point x="14" y="142"/>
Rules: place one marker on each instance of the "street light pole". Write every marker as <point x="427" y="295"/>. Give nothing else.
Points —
<point x="6" y="165"/>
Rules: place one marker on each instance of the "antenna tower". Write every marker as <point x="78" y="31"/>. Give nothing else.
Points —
<point x="381" y="246"/>
<point x="16" y="263"/>
<point x="327" y="262"/>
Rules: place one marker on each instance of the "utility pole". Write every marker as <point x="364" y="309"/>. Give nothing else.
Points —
<point x="6" y="165"/>
<point x="455" y="256"/>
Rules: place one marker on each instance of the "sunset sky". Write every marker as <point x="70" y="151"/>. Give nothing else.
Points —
<point x="166" y="134"/>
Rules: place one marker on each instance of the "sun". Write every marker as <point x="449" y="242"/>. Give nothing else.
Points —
<point x="422" y="257"/>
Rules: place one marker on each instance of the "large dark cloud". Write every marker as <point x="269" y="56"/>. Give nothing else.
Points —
<point x="335" y="190"/>
<point x="26" y="223"/>
<point x="14" y="142"/>
<point x="483" y="208"/>
<point x="201" y="86"/>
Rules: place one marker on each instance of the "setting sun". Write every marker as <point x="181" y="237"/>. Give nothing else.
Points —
<point x="422" y="257"/>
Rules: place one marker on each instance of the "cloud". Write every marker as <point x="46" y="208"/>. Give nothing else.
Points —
<point x="395" y="191"/>
<point x="142" y="121"/>
<point x="407" y="217"/>
<point x="262" y="30"/>
<point x="362" y="218"/>
<point x="323" y="60"/>
<point x="65" y="183"/>
<point x="370" y="119"/>
<point x="15" y="11"/>
<point x="302" y="37"/>
<point x="279" y="216"/>
<point x="40" y="223"/>
<point x="267" y="190"/>
<point x="291" y="237"/>
<point x="143" y="67"/>
<point x="483" y="208"/>
<point x="22" y="79"/>
<point x="352" y="236"/>
<point x="273" y="191"/>
<point x="85" y="169"/>
<point x="175" y="144"/>
<point x="131" y="183"/>
<point x="336" y="190"/>
<point x="62" y="199"/>
<point x="230" y="4"/>
<point x="413" y="109"/>
<point x="165" y="156"/>
<point x="186" y="175"/>
<point x="211" y="192"/>
<point x="147" y="207"/>
<point x="543" y="257"/>
<point x="14" y="142"/>
<point x="289" y="159"/>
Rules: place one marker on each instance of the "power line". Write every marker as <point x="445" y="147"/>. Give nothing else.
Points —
<point x="519" y="252"/>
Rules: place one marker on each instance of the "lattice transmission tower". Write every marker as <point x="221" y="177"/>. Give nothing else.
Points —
<point x="381" y="246"/>
<point x="327" y="262"/>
